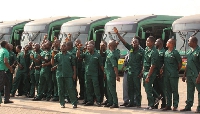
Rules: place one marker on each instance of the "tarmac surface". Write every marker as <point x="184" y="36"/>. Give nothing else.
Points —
<point x="24" y="105"/>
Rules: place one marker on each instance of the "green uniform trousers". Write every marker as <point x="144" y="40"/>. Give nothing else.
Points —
<point x="45" y="85"/>
<point x="32" y="81"/>
<point x="149" y="88"/>
<point x="20" y="77"/>
<point x="171" y="84"/>
<point x="55" y="85"/>
<point x="101" y="85"/>
<point x="134" y="88"/>
<point x="159" y="90"/>
<point x="191" y="84"/>
<point x="111" y="90"/>
<point x="66" y="84"/>
<point x="37" y="78"/>
<point x="92" y="87"/>
<point x="81" y="82"/>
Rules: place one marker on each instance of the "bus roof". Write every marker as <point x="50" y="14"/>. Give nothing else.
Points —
<point x="139" y="18"/>
<point x="47" y="20"/>
<point x="85" y="21"/>
<point x="188" y="19"/>
<point x="187" y="23"/>
<point x="132" y="23"/>
<point x="12" y="23"/>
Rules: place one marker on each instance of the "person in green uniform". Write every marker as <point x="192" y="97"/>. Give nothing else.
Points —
<point x="23" y="61"/>
<point x="4" y="66"/>
<point x="172" y="65"/>
<point x="134" y="68"/>
<point x="36" y="66"/>
<point x="158" y="84"/>
<point x="111" y="72"/>
<point x="150" y="69"/>
<point x="31" y="72"/>
<point x="65" y="74"/>
<point x="192" y="72"/>
<point x="12" y="62"/>
<point x="45" y="85"/>
<point x="55" y="50"/>
<point x="79" y="68"/>
<point x="93" y="61"/>
<point x="72" y="51"/>
<point x="102" y="78"/>
<point x="83" y="73"/>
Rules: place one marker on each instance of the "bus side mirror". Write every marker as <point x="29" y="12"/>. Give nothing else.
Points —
<point x="163" y="35"/>
<point x="143" y="35"/>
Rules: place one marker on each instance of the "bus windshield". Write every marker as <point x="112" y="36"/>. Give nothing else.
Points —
<point x="5" y="37"/>
<point x="34" y="37"/>
<point x="82" y="37"/>
<point x="127" y="37"/>
<point x="182" y="46"/>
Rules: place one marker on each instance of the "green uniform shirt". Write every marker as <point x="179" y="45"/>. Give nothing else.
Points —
<point x="24" y="61"/>
<point x="161" y="57"/>
<point x="193" y="62"/>
<point x="135" y="58"/>
<point x="65" y="63"/>
<point x="12" y="57"/>
<point x="46" y="55"/>
<point x="35" y="54"/>
<point x="151" y="57"/>
<point x="3" y="54"/>
<point x="111" y="62"/>
<point x="92" y="63"/>
<point x="171" y="61"/>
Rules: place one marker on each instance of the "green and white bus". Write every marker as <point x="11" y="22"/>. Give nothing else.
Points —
<point x="89" y="28"/>
<point x="11" y="31"/>
<point x="184" y="28"/>
<point x="143" y="26"/>
<point x="36" y="30"/>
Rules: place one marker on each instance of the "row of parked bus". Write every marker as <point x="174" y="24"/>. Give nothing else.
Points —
<point x="20" y="32"/>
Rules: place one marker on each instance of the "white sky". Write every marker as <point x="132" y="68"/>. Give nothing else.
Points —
<point x="34" y="9"/>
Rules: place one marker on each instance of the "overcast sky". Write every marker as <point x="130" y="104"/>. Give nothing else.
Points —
<point x="34" y="9"/>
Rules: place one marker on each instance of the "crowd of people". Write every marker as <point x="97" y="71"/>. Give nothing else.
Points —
<point x="53" y="68"/>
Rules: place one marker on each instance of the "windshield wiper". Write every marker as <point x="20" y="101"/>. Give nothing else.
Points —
<point x="104" y="38"/>
<point x="183" y="38"/>
<point x="123" y="34"/>
<point x="1" y="36"/>
<point x="110" y="36"/>
<point x="195" y="32"/>
<point x="32" y="39"/>
<point x="75" y="37"/>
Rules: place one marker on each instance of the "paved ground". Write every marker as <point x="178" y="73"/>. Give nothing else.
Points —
<point x="26" y="106"/>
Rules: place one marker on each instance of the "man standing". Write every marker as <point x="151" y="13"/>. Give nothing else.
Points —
<point x="125" y="84"/>
<point x="36" y="66"/>
<point x="12" y="62"/>
<point x="150" y="69"/>
<point x="23" y="61"/>
<point x="158" y="84"/>
<point x="79" y="68"/>
<point x="93" y="62"/>
<point x="134" y="68"/>
<point x="55" y="50"/>
<point x="192" y="72"/>
<point x="172" y="65"/>
<point x="65" y="74"/>
<point x="45" y="85"/>
<point x="4" y="66"/>
<point x="111" y="72"/>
